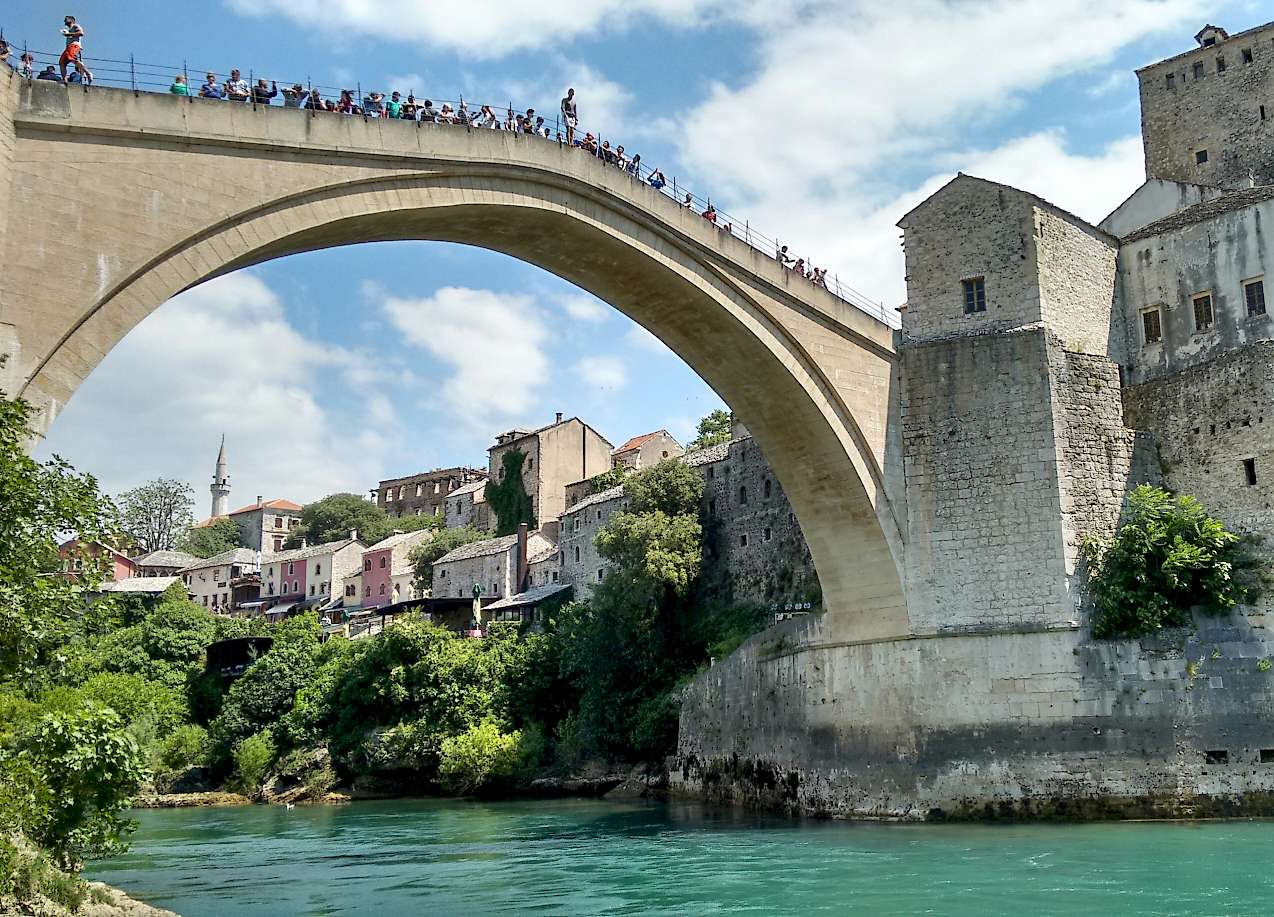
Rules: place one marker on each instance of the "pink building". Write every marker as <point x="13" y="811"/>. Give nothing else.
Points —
<point x="385" y="561"/>
<point x="76" y="553"/>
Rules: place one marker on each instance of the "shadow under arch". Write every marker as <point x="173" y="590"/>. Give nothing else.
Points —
<point x="722" y="322"/>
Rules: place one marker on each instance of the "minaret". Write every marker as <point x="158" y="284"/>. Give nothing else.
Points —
<point x="221" y="483"/>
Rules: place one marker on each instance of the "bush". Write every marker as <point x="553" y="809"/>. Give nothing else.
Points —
<point x="1168" y="556"/>
<point x="185" y="747"/>
<point x="27" y="874"/>
<point x="483" y="757"/>
<point x="655" y="727"/>
<point x="252" y="760"/>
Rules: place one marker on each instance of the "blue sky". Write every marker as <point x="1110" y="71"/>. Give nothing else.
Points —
<point x="821" y="121"/>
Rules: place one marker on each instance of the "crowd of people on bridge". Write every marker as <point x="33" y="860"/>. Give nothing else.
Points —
<point x="564" y="130"/>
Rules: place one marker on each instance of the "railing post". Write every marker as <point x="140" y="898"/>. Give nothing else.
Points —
<point x="252" y="86"/>
<point x="132" y="69"/>
<point x="185" y="72"/>
<point x="358" y="87"/>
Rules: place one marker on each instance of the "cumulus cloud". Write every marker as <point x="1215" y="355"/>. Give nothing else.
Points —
<point x="602" y="372"/>
<point x="223" y="358"/>
<point x="492" y="345"/>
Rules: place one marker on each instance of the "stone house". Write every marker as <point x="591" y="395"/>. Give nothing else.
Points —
<point x="555" y="455"/>
<point x="312" y="576"/>
<point x="499" y="567"/>
<point x="164" y="563"/>
<point x="424" y="494"/>
<point x="467" y="506"/>
<point x="647" y="450"/>
<point x="224" y="582"/>
<point x="581" y="564"/>
<point x="382" y="563"/>
<point x="115" y="564"/>
<point x="263" y="525"/>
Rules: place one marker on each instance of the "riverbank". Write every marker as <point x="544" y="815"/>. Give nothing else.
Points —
<point x="103" y="901"/>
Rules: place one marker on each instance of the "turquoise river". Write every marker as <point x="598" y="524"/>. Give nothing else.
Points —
<point x="424" y="857"/>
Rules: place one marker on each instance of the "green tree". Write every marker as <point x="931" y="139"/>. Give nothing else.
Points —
<point x="65" y="781"/>
<point x="507" y="497"/>
<point x="217" y="537"/>
<point x="422" y="556"/>
<point x="157" y="514"/>
<point x="670" y="487"/>
<point x="713" y="430"/>
<point x="1167" y="557"/>
<point x="39" y="610"/>
<point x="335" y="516"/>
<point x="253" y="758"/>
<point x="479" y="757"/>
<point x="608" y="479"/>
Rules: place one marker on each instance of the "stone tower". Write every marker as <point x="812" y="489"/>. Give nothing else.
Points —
<point x="221" y="483"/>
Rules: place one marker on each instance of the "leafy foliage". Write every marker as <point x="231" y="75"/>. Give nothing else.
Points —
<point x="481" y="756"/>
<point x="713" y="430"/>
<point x="157" y="514"/>
<point x="507" y="497"/>
<point x="252" y="760"/>
<point x="608" y="479"/>
<point x="1168" y="556"/>
<point x="217" y="537"/>
<point x="670" y="487"/>
<point x="185" y="747"/>
<point x="39" y="501"/>
<point x="335" y="516"/>
<point x="422" y="556"/>
<point x="67" y="778"/>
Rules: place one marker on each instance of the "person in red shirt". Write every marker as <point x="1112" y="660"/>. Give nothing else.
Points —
<point x="74" y="53"/>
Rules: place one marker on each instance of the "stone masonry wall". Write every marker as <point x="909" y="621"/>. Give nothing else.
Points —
<point x="1044" y="724"/>
<point x="985" y="545"/>
<point x="1208" y="420"/>
<point x="753" y="548"/>
<point x="995" y="241"/>
<point x="1217" y="110"/>
<point x="10" y="371"/>
<point x="1077" y="281"/>
<point x="581" y="561"/>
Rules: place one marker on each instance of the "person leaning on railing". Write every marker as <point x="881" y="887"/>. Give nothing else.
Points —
<point x="179" y="87"/>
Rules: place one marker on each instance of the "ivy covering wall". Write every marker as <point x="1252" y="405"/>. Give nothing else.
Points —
<point x="507" y="497"/>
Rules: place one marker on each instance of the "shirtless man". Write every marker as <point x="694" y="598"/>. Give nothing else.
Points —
<point x="74" y="53"/>
<point x="570" y="116"/>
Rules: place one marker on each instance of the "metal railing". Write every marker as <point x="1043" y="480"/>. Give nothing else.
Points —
<point x="156" y="78"/>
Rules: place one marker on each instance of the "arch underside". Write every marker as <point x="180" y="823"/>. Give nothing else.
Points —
<point x="733" y="331"/>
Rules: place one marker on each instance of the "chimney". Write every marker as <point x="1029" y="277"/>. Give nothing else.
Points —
<point x="305" y="543"/>
<point x="559" y="416"/>
<point x="353" y="534"/>
<point x="260" y="499"/>
<point x="524" y="565"/>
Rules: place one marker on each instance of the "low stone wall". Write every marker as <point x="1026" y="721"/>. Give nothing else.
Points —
<point x="1046" y="724"/>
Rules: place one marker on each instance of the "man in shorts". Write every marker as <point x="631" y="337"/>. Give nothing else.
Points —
<point x="570" y="116"/>
<point x="74" y="53"/>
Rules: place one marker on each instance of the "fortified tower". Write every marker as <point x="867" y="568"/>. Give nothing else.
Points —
<point x="220" y="487"/>
<point x="1207" y="116"/>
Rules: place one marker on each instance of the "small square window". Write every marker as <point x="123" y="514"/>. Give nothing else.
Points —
<point x="1249" y="471"/>
<point x="1198" y="70"/>
<point x="974" y="295"/>
<point x="1220" y="64"/>
<point x="1151" y="326"/>
<point x="1200" y="156"/>
<point x="1216" y="756"/>
<point x="1247" y="55"/>
<point x="1267" y="755"/>
<point x="1203" y="315"/>
<point x="743" y="540"/>
<point x="1254" y="297"/>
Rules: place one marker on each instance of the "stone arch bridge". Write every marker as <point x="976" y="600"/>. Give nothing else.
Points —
<point x="113" y="202"/>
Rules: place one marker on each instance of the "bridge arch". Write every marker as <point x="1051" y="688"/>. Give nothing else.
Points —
<point x="212" y="188"/>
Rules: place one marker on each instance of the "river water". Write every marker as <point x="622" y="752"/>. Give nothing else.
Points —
<point x="577" y="857"/>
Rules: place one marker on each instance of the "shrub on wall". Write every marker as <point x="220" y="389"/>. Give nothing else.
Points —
<point x="1168" y="557"/>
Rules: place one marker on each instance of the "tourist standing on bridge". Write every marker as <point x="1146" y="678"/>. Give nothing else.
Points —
<point x="27" y="69"/>
<point x="294" y="97"/>
<point x="211" y="89"/>
<point x="262" y="94"/>
<point x="179" y="86"/>
<point x="74" y="53"/>
<point x="570" y="116"/>
<point x="4" y="52"/>
<point x="237" y="87"/>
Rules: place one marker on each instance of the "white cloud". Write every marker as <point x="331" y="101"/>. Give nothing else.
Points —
<point x="815" y="152"/>
<point x="584" y="307"/>
<point x="223" y="358"/>
<point x="492" y="28"/>
<point x="492" y="343"/>
<point x="602" y="372"/>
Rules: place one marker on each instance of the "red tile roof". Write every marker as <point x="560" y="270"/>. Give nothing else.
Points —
<point x="269" y="504"/>
<point x="638" y="441"/>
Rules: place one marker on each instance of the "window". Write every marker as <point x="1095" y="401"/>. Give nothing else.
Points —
<point x="205" y="601"/>
<point x="1198" y="69"/>
<point x="743" y="540"/>
<point x="389" y="495"/>
<point x="1247" y="55"/>
<point x="577" y="553"/>
<point x="382" y="562"/>
<point x="367" y="564"/>
<point x="1249" y="471"/>
<point x="1216" y="756"/>
<point x="530" y="463"/>
<point x="1267" y="755"/>
<point x="367" y="591"/>
<point x="291" y="568"/>
<point x="712" y="507"/>
<point x="555" y="576"/>
<point x="278" y="545"/>
<point x="1203" y="316"/>
<point x="272" y="589"/>
<point x="349" y="590"/>
<point x="1171" y="80"/>
<point x="743" y="496"/>
<point x="711" y="473"/>
<point x="601" y="575"/>
<point x="575" y="527"/>
<point x="1220" y="63"/>
<point x="420" y="489"/>
<point x="296" y="585"/>
<point x="382" y="588"/>
<point x="1200" y="157"/>
<point x="495" y="588"/>
<point x="318" y="569"/>
<point x="1151" y="326"/>
<point x="766" y="489"/>
<point x="311" y="589"/>
<point x="1254" y="297"/>
<point x="767" y="535"/>
<point x="278" y="522"/>
<point x="974" y="295"/>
